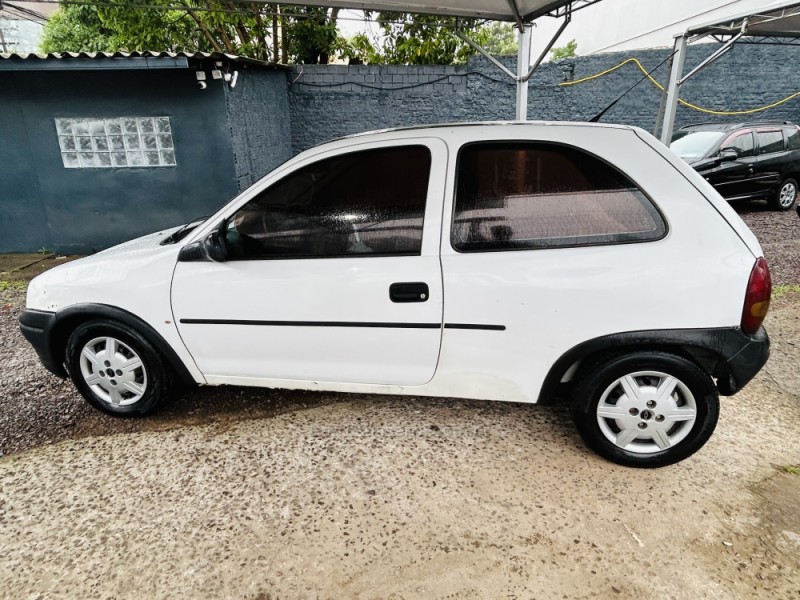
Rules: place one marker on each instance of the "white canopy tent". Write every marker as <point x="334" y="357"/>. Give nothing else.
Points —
<point x="521" y="12"/>
<point x="777" y="22"/>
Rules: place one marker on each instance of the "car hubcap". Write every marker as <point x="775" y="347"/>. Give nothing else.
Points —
<point x="113" y="371"/>
<point x="646" y="412"/>
<point x="788" y="194"/>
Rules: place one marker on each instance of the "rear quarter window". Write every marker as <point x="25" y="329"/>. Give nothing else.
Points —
<point x="526" y="195"/>
<point x="793" y="138"/>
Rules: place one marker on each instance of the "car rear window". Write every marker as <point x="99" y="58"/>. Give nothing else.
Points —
<point x="770" y="141"/>
<point x="523" y="195"/>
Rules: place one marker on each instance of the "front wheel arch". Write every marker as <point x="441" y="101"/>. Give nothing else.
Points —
<point x="72" y="317"/>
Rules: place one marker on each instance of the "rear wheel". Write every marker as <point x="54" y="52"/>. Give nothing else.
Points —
<point x="648" y="409"/>
<point x="786" y="195"/>
<point x="116" y="369"/>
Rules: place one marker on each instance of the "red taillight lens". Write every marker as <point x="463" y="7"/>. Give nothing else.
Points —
<point x="756" y="301"/>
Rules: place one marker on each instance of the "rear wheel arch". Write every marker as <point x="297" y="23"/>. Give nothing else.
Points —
<point x="74" y="316"/>
<point x="702" y="347"/>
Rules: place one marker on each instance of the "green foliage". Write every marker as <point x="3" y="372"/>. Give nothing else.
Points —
<point x="567" y="51"/>
<point x="246" y="29"/>
<point x="77" y="28"/>
<point x="783" y="289"/>
<point x="409" y="39"/>
<point x="12" y="285"/>
<point x="499" y="39"/>
<point x="305" y="34"/>
<point x="312" y="36"/>
<point x="792" y="469"/>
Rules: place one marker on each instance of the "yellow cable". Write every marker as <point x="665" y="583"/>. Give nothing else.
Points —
<point x="683" y="102"/>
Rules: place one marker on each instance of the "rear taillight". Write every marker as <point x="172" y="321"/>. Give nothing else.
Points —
<point x="756" y="301"/>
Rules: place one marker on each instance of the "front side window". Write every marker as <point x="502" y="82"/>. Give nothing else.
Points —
<point x="770" y="141"/>
<point x="742" y="143"/>
<point x="363" y="203"/>
<point x="522" y="195"/>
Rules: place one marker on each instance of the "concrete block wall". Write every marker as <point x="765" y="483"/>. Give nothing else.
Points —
<point x="329" y="101"/>
<point x="258" y="109"/>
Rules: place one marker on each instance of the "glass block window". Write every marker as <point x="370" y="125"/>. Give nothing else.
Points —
<point x="118" y="142"/>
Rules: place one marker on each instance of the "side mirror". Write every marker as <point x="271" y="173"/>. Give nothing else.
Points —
<point x="728" y="155"/>
<point x="216" y="245"/>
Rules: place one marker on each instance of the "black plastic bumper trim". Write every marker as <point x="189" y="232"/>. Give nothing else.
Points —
<point x="37" y="326"/>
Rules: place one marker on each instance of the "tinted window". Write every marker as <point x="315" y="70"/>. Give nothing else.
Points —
<point x="517" y="195"/>
<point x="770" y="141"/>
<point x="742" y="143"/>
<point x="793" y="138"/>
<point x="362" y="203"/>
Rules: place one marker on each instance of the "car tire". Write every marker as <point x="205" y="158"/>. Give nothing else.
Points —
<point x="116" y="369"/>
<point x="646" y="409"/>
<point x="785" y="197"/>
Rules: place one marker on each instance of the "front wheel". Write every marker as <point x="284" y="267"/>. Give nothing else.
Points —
<point x="116" y="369"/>
<point x="786" y="195"/>
<point x="648" y="409"/>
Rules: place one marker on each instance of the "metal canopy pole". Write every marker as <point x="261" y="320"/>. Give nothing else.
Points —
<point x="524" y="37"/>
<point x="678" y="58"/>
<point x="524" y="68"/>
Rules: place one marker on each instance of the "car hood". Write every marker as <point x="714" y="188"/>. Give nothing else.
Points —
<point x="97" y="276"/>
<point x="146" y="242"/>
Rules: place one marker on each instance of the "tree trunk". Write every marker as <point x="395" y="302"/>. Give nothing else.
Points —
<point x="201" y="26"/>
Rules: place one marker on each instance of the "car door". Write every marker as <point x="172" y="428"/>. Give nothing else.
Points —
<point x="772" y="155"/>
<point x="333" y="273"/>
<point x="735" y="179"/>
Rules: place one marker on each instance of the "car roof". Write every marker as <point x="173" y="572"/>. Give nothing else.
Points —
<point x="733" y="126"/>
<point x="470" y="124"/>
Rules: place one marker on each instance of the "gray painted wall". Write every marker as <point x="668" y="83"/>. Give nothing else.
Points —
<point x="258" y="109"/>
<point x="330" y="101"/>
<point x="42" y="204"/>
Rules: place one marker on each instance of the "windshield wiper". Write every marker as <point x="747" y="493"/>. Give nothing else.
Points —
<point x="183" y="231"/>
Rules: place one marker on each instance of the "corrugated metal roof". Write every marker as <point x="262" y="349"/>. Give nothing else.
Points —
<point x="94" y="59"/>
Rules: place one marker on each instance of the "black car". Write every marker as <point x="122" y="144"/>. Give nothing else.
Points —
<point x="745" y="161"/>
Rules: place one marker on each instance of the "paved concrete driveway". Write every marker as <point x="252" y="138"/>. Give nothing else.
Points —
<point x="380" y="497"/>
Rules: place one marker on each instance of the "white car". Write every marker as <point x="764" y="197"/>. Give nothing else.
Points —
<point x="503" y="261"/>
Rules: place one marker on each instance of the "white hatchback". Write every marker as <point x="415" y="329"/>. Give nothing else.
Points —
<point x="503" y="261"/>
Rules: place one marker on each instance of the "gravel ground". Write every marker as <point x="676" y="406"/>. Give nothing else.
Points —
<point x="37" y="408"/>
<point x="779" y="234"/>
<point x="259" y="494"/>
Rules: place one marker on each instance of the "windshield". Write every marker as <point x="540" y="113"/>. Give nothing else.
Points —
<point x="695" y="144"/>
